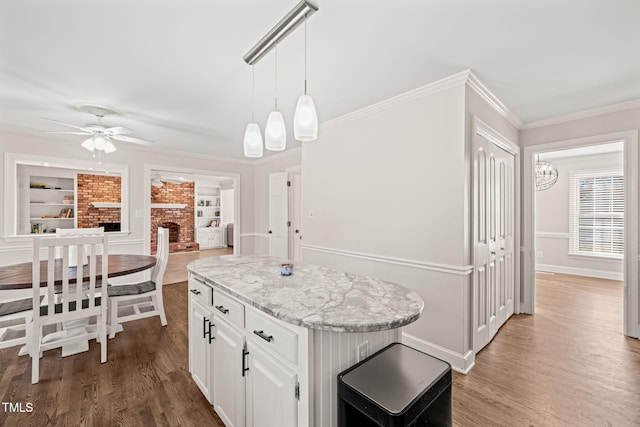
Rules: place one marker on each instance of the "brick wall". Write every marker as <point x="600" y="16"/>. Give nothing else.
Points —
<point x="97" y="188"/>
<point x="174" y="194"/>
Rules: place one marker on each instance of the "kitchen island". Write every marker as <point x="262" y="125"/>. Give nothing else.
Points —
<point x="265" y="349"/>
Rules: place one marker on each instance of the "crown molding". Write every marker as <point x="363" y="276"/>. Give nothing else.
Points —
<point x="464" y="77"/>
<point x="623" y="106"/>
<point x="420" y="92"/>
<point x="474" y="83"/>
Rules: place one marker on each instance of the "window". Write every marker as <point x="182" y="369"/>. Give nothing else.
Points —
<point x="597" y="213"/>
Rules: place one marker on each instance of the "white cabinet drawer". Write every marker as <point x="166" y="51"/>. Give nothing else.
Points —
<point x="228" y="309"/>
<point x="275" y="337"/>
<point x="200" y="291"/>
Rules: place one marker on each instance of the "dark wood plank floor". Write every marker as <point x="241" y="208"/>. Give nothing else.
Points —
<point x="569" y="365"/>
<point x="144" y="382"/>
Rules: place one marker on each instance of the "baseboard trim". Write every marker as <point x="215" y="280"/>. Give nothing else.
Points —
<point x="441" y="268"/>
<point x="600" y="274"/>
<point x="462" y="363"/>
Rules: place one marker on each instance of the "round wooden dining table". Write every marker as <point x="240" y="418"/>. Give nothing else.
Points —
<point x="18" y="276"/>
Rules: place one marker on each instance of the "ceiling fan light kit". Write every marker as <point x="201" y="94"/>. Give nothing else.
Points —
<point x="101" y="137"/>
<point x="305" y="118"/>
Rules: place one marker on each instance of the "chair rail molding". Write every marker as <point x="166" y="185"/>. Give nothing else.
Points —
<point x="423" y="265"/>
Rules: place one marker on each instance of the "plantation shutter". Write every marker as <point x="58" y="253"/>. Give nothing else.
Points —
<point x="597" y="213"/>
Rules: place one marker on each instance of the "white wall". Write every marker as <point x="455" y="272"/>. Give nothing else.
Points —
<point x="226" y="205"/>
<point x="552" y="222"/>
<point x="18" y="249"/>
<point x="389" y="187"/>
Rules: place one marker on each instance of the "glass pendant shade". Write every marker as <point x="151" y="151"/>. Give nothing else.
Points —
<point x="253" y="141"/>
<point x="275" y="134"/>
<point x="305" y="121"/>
<point x="99" y="141"/>
<point x="88" y="144"/>
<point x="109" y="147"/>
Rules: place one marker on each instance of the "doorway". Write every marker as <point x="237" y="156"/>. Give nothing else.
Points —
<point x="576" y="239"/>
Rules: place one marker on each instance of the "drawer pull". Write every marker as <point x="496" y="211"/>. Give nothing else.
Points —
<point x="261" y="334"/>
<point x="198" y="280"/>
<point x="195" y="291"/>
<point x="222" y="309"/>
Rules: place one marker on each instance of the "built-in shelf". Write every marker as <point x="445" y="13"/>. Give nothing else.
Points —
<point x="51" y="204"/>
<point x="168" y="205"/>
<point x="50" y="219"/>
<point x="106" y="204"/>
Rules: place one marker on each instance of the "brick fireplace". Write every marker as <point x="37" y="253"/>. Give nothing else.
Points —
<point x="98" y="188"/>
<point x="180" y="222"/>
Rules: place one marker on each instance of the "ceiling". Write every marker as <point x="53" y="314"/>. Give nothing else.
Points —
<point x="589" y="150"/>
<point x="174" y="69"/>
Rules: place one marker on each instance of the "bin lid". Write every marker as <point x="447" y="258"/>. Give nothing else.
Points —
<point x="396" y="376"/>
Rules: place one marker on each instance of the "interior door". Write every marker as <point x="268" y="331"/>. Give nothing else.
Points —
<point x="494" y="208"/>
<point x="296" y="217"/>
<point x="278" y="215"/>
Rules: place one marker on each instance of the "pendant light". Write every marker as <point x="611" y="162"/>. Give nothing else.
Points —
<point x="275" y="134"/>
<point x="546" y="174"/>
<point x="253" y="136"/>
<point x="305" y="121"/>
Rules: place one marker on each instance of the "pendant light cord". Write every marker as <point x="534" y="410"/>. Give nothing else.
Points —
<point x="276" y="61"/>
<point x="253" y="93"/>
<point x="305" y="54"/>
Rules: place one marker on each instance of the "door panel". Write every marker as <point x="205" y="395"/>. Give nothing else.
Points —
<point x="493" y="175"/>
<point x="228" y="382"/>
<point x="278" y="215"/>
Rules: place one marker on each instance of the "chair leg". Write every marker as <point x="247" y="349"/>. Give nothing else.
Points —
<point x="113" y="321"/>
<point x="35" y="356"/>
<point x="103" y="337"/>
<point x="160" y="307"/>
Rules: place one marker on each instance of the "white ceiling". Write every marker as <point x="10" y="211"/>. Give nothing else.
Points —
<point x="589" y="150"/>
<point x="174" y="69"/>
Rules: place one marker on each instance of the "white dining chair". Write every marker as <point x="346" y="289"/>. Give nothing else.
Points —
<point x="76" y="301"/>
<point x="98" y="231"/>
<point x="15" y="314"/>
<point x="144" y="299"/>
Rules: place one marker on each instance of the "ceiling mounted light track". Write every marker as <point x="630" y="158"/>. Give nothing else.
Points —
<point x="290" y="22"/>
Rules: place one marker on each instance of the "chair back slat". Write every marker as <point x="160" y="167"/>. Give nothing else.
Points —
<point x="72" y="295"/>
<point x="162" y="256"/>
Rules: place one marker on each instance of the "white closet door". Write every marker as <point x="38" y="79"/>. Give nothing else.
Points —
<point x="494" y="199"/>
<point x="278" y="215"/>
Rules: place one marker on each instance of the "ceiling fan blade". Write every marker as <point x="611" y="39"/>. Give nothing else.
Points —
<point x="117" y="130"/>
<point x="132" y="140"/>
<point x="70" y="133"/>
<point x="71" y="126"/>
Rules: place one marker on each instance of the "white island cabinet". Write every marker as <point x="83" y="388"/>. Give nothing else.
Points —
<point x="265" y="349"/>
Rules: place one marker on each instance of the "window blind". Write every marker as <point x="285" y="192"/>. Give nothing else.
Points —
<point x="596" y="213"/>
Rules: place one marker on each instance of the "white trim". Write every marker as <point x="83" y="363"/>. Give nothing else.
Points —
<point x="588" y="272"/>
<point x="266" y="236"/>
<point x="630" y="138"/>
<point x="474" y="83"/>
<point x="493" y="136"/>
<point x="441" y="268"/>
<point x="459" y="362"/>
<point x="168" y="205"/>
<point x="551" y="235"/>
<point x="106" y="204"/>
<point x="623" y="106"/>
<point x="412" y="95"/>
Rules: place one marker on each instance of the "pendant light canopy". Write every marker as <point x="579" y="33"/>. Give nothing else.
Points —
<point x="305" y="121"/>
<point x="275" y="134"/>
<point x="252" y="135"/>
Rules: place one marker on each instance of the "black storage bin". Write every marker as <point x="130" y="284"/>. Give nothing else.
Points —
<point x="397" y="386"/>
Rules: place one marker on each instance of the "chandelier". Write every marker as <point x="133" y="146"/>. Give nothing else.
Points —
<point x="546" y="174"/>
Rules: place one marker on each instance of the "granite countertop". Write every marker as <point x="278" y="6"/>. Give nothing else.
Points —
<point x="313" y="297"/>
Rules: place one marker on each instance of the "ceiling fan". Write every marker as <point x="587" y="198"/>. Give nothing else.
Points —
<point x="101" y="137"/>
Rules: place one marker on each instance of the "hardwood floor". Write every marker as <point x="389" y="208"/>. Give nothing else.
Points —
<point x="145" y="381"/>
<point x="569" y="365"/>
<point x="177" y="264"/>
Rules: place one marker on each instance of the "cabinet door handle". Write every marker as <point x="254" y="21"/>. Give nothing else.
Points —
<point x="195" y="291"/>
<point x="207" y="331"/>
<point x="270" y="232"/>
<point x="261" y="334"/>
<point x="222" y="309"/>
<point x="245" y="353"/>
